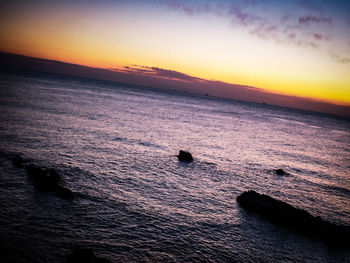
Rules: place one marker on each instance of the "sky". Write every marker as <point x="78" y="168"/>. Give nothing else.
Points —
<point x="299" y="48"/>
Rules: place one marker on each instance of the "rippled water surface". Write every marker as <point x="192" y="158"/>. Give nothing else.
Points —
<point x="115" y="148"/>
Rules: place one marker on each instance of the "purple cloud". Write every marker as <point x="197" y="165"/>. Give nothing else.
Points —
<point x="309" y="19"/>
<point x="304" y="23"/>
<point x="136" y="69"/>
<point x="157" y="72"/>
<point x="172" y="74"/>
<point x="244" y="18"/>
<point x="290" y="30"/>
<point x="340" y="59"/>
<point x="292" y="36"/>
<point x="287" y="16"/>
<point x="266" y="31"/>
<point x="320" y="37"/>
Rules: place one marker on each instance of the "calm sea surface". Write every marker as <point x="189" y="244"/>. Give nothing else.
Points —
<point x="115" y="148"/>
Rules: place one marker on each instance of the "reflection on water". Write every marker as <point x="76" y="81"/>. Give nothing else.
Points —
<point x="115" y="148"/>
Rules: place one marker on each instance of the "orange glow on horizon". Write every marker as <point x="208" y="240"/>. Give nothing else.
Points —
<point x="175" y="42"/>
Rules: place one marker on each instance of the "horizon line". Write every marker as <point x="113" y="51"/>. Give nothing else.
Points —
<point x="161" y="76"/>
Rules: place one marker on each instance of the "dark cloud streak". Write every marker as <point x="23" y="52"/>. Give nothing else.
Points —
<point x="310" y="19"/>
<point x="158" y="72"/>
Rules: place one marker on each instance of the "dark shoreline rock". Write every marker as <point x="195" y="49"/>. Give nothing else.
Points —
<point x="185" y="156"/>
<point x="47" y="180"/>
<point x="84" y="255"/>
<point x="300" y="220"/>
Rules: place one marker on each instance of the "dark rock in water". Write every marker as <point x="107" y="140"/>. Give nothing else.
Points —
<point x="280" y="172"/>
<point x="85" y="255"/>
<point x="64" y="193"/>
<point x="44" y="179"/>
<point x="18" y="161"/>
<point x="47" y="180"/>
<point x="55" y="177"/>
<point x="35" y="172"/>
<point x="298" y="219"/>
<point x="185" y="156"/>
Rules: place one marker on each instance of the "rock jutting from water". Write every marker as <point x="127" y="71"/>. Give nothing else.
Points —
<point x="185" y="156"/>
<point x="44" y="179"/>
<point x="47" y="180"/>
<point x="18" y="161"/>
<point x="300" y="220"/>
<point x="280" y="172"/>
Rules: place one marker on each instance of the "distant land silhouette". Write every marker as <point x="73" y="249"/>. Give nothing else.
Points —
<point x="169" y="79"/>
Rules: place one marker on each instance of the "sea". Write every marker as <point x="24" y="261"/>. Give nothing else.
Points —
<point x="115" y="147"/>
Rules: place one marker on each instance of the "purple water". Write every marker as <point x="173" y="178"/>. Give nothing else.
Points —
<point x="115" y="146"/>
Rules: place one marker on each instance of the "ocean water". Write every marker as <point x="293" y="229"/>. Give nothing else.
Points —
<point x="115" y="147"/>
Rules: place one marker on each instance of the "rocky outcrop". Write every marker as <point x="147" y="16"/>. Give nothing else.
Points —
<point x="44" y="179"/>
<point x="47" y="180"/>
<point x="185" y="156"/>
<point x="295" y="218"/>
<point x="84" y="255"/>
<point x="280" y="172"/>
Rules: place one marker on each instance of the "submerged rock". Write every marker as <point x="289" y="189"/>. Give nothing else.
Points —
<point x="280" y="172"/>
<point x="64" y="193"/>
<point x="185" y="156"/>
<point x="298" y="219"/>
<point x="44" y="179"/>
<point x="84" y="255"/>
<point x="18" y="160"/>
<point x="47" y="180"/>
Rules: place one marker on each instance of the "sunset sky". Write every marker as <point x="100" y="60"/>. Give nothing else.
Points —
<point x="299" y="48"/>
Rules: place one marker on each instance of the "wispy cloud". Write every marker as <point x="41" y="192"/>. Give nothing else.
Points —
<point x="306" y="25"/>
<point x="340" y="59"/>
<point x="172" y="74"/>
<point x="310" y="19"/>
<point x="243" y="18"/>
<point x="157" y="72"/>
